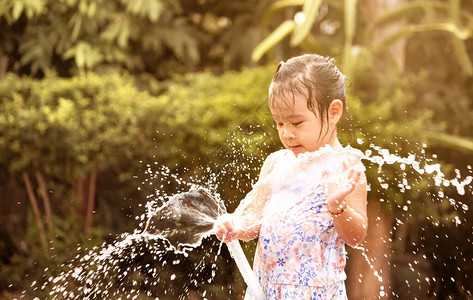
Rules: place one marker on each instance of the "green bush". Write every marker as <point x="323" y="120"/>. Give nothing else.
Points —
<point x="65" y="129"/>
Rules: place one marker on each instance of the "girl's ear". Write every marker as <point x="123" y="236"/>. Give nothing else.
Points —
<point x="335" y="111"/>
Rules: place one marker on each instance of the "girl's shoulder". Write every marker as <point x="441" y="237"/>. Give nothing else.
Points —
<point x="356" y="156"/>
<point x="271" y="160"/>
<point x="277" y="155"/>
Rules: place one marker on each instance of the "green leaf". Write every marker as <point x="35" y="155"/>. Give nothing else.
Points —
<point x="111" y="31"/>
<point x="350" y="18"/>
<point x="410" y="30"/>
<point x="350" y="25"/>
<point x="399" y="12"/>
<point x="70" y="53"/>
<point x="124" y="35"/>
<point x="284" y="4"/>
<point x="30" y="55"/>
<point x="154" y="10"/>
<point x="151" y="9"/>
<point x="273" y="8"/>
<point x="461" y="33"/>
<point x="462" y="55"/>
<point x="34" y="7"/>
<point x="92" y="9"/>
<point x="417" y="7"/>
<point x="80" y="54"/>
<point x="179" y="39"/>
<point x="83" y="6"/>
<point x="271" y="40"/>
<point x="85" y="55"/>
<point x="17" y="10"/>
<point x="450" y="140"/>
<point x="310" y="10"/>
<point x="76" y="28"/>
<point x="455" y="11"/>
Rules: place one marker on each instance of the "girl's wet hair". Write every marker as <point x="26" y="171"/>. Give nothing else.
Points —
<point x="312" y="76"/>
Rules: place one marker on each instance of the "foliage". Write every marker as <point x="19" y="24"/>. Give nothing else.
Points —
<point x="85" y="34"/>
<point x="76" y="113"/>
<point x="436" y="16"/>
<point x="65" y="128"/>
<point x="308" y="25"/>
<point x="158" y="37"/>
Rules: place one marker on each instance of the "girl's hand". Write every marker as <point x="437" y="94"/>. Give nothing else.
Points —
<point x="225" y="228"/>
<point x="338" y="186"/>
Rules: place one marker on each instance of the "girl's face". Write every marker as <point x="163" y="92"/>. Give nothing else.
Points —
<point x="300" y="130"/>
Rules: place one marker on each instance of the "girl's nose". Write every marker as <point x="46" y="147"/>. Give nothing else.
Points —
<point x="288" y="133"/>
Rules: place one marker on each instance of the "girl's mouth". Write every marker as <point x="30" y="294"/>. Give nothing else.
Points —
<point x="295" y="148"/>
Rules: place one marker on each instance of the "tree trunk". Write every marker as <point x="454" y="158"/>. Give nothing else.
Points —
<point x="91" y="199"/>
<point x="36" y="211"/>
<point x="368" y="268"/>
<point x="380" y="33"/>
<point x="80" y="196"/>
<point x="3" y="66"/>
<point x="44" y="194"/>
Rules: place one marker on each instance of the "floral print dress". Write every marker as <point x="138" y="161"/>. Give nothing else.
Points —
<point x="299" y="253"/>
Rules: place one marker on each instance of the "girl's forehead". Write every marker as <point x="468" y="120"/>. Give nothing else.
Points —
<point x="288" y="109"/>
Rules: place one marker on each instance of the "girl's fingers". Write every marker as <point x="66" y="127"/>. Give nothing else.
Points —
<point x="224" y="236"/>
<point x="351" y="172"/>
<point x="220" y="233"/>
<point x="219" y="229"/>
<point x="224" y="228"/>
<point x="338" y="188"/>
<point x="227" y="224"/>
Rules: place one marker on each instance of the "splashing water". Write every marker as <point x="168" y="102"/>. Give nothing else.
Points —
<point x="182" y="222"/>
<point x="391" y="172"/>
<point x="89" y="275"/>
<point x="187" y="218"/>
<point x="378" y="158"/>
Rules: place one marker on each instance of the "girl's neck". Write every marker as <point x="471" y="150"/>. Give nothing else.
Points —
<point x="336" y="145"/>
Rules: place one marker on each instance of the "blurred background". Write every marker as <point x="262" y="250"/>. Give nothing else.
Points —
<point x="106" y="105"/>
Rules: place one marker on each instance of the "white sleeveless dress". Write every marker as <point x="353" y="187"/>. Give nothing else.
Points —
<point x="299" y="253"/>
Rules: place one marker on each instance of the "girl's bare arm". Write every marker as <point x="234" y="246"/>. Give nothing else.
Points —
<point x="236" y="226"/>
<point x="352" y="223"/>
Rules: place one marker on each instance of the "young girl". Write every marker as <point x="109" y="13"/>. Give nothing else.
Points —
<point x="310" y="198"/>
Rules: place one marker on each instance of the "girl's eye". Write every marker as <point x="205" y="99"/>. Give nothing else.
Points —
<point x="297" y="123"/>
<point x="279" y="124"/>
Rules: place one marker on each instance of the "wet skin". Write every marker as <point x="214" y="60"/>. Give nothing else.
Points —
<point x="300" y="130"/>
